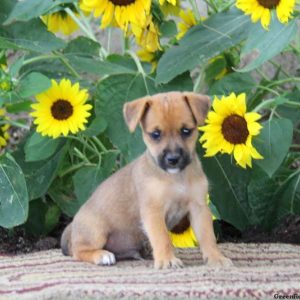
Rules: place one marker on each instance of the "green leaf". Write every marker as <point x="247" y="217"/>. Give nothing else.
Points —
<point x="203" y="42"/>
<point x="234" y="82"/>
<point x="290" y="112"/>
<point x="97" y="126"/>
<point x="42" y="218"/>
<point x="29" y="9"/>
<point x="264" y="44"/>
<point x="83" y="46"/>
<point x="39" y="175"/>
<point x="33" y="84"/>
<point x="273" y="144"/>
<point x="287" y="200"/>
<point x="19" y="107"/>
<point x="83" y="54"/>
<point x="13" y="191"/>
<point x="39" y="148"/>
<point x="61" y="192"/>
<point x="87" y="179"/>
<point x="228" y="189"/>
<point x="260" y="198"/>
<point x="32" y="36"/>
<point x="168" y="28"/>
<point x="6" y="7"/>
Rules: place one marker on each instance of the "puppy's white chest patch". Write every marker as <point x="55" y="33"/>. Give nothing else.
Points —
<point x="181" y="189"/>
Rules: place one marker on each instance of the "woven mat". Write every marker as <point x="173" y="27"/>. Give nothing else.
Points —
<point x="260" y="272"/>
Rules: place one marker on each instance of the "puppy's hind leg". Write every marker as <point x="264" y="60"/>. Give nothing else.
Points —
<point x="90" y="249"/>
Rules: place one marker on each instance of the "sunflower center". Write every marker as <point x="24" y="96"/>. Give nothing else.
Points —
<point x="61" y="109"/>
<point x="182" y="226"/>
<point x="122" y="2"/>
<point x="234" y="129"/>
<point x="268" y="3"/>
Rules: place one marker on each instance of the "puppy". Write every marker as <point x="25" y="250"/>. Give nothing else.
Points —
<point x="146" y="198"/>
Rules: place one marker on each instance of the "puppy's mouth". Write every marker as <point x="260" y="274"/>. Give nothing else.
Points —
<point x="173" y="171"/>
<point x="173" y="162"/>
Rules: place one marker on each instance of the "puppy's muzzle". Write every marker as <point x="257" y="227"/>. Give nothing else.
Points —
<point x="174" y="161"/>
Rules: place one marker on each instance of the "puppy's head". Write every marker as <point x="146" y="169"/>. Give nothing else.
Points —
<point x="169" y="123"/>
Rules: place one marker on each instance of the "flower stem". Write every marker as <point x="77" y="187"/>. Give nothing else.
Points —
<point x="16" y="124"/>
<point x="195" y="9"/>
<point x="99" y="143"/>
<point x="38" y="58"/>
<point x="80" y="24"/>
<point x="268" y="89"/>
<point x="140" y="68"/>
<point x="75" y="168"/>
<point x="67" y="64"/>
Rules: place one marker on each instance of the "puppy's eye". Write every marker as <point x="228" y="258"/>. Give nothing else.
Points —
<point x="186" y="132"/>
<point x="156" y="134"/>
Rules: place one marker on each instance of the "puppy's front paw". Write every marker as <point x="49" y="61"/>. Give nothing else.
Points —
<point x="218" y="261"/>
<point x="169" y="263"/>
<point x="105" y="258"/>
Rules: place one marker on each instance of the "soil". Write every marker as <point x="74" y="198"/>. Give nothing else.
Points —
<point x="288" y="231"/>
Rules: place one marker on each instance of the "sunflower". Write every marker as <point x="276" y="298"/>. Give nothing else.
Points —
<point x="188" y="21"/>
<point x="171" y="9"/>
<point x="261" y="9"/>
<point x="147" y="36"/>
<point x="230" y="129"/>
<point x="4" y="135"/>
<point x="60" y="22"/>
<point x="185" y="239"/>
<point x="148" y="56"/>
<point x="61" y="109"/>
<point x="182" y="235"/>
<point x="162" y="2"/>
<point x="120" y="12"/>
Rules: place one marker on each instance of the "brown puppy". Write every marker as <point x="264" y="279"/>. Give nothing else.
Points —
<point x="153" y="193"/>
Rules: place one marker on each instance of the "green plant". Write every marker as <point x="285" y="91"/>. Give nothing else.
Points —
<point x="45" y="177"/>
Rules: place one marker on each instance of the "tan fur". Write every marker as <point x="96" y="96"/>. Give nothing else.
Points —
<point x="142" y="201"/>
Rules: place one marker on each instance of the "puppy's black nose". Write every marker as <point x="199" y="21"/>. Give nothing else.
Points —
<point x="173" y="159"/>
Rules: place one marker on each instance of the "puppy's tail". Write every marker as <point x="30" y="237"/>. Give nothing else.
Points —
<point x="66" y="241"/>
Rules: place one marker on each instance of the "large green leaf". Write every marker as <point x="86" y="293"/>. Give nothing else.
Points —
<point x="13" y="193"/>
<point x="264" y="44"/>
<point x="87" y="179"/>
<point x="29" y="9"/>
<point x="260" y="198"/>
<point x="32" y="36"/>
<point x="83" y="54"/>
<point x="273" y="144"/>
<point x="234" y="82"/>
<point x="203" y="42"/>
<point x="38" y="147"/>
<point x="287" y="200"/>
<point x="114" y="91"/>
<point x="39" y="175"/>
<point x="70" y="193"/>
<point x="228" y="189"/>
<point x="33" y="84"/>
<point x="43" y="217"/>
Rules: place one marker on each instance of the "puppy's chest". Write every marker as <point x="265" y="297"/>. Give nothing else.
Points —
<point x="177" y="205"/>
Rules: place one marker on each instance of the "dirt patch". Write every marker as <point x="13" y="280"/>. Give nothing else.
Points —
<point x="288" y="231"/>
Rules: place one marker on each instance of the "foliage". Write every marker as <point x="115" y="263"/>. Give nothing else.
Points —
<point x="221" y="54"/>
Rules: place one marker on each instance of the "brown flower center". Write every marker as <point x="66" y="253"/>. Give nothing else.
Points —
<point x="268" y="3"/>
<point x="122" y="2"/>
<point x="182" y="226"/>
<point x="61" y="109"/>
<point x="234" y="129"/>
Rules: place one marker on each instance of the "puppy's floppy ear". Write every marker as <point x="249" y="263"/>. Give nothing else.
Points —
<point x="199" y="106"/>
<point x="134" y="111"/>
